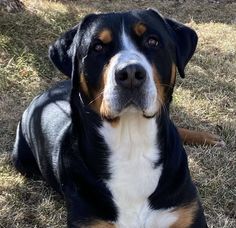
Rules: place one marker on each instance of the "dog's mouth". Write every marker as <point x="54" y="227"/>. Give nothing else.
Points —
<point x="134" y="107"/>
<point x="121" y="103"/>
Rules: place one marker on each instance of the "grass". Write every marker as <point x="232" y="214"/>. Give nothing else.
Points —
<point x="205" y="100"/>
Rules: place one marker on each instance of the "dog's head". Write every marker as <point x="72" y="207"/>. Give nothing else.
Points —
<point x="124" y="62"/>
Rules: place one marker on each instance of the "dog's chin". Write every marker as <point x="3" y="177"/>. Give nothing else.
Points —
<point x="111" y="119"/>
<point x="149" y="115"/>
<point x="131" y="109"/>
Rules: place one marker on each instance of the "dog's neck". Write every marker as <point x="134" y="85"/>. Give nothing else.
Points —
<point x="133" y="136"/>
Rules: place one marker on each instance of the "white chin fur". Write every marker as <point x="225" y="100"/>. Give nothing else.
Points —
<point x="150" y="111"/>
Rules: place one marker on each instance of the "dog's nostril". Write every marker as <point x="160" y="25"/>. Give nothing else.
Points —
<point x="139" y="75"/>
<point x="123" y="76"/>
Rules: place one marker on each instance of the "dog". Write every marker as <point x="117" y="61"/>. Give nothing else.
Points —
<point x="104" y="139"/>
<point x="61" y="52"/>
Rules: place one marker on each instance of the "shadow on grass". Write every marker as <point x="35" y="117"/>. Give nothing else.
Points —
<point x="199" y="11"/>
<point x="32" y="205"/>
<point x="27" y="202"/>
<point x="30" y="34"/>
<point x="211" y="79"/>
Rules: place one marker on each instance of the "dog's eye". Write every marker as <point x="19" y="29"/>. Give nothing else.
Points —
<point x="98" y="47"/>
<point x="152" y="42"/>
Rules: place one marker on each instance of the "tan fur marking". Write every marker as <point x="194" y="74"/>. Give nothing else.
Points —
<point x="114" y="122"/>
<point x="97" y="100"/>
<point x="198" y="138"/>
<point x="140" y="29"/>
<point x="102" y="107"/>
<point x="106" y="114"/>
<point x="104" y="110"/>
<point x="98" y="104"/>
<point x="173" y="74"/>
<point x="97" y="94"/>
<point x="99" y="224"/>
<point x="83" y="85"/>
<point x="105" y="36"/>
<point x="160" y="88"/>
<point x="186" y="215"/>
<point x="102" y="224"/>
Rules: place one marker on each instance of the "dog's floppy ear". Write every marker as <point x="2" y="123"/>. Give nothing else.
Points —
<point x="61" y="52"/>
<point x="185" y="40"/>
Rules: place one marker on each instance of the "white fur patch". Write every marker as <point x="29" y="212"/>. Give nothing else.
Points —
<point x="134" y="150"/>
<point x="162" y="218"/>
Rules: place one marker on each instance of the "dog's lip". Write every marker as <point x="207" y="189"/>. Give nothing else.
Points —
<point x="131" y="102"/>
<point x="130" y="108"/>
<point x="111" y="118"/>
<point x="116" y="117"/>
<point x="149" y="116"/>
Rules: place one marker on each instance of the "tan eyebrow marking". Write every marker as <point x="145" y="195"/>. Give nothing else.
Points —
<point x="105" y="36"/>
<point x="140" y="28"/>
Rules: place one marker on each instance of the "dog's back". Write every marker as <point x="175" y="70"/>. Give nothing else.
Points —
<point x="41" y="129"/>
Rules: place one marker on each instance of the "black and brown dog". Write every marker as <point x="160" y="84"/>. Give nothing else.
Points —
<point x="105" y="139"/>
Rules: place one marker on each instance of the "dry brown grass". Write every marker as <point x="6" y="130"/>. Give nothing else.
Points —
<point x="205" y="100"/>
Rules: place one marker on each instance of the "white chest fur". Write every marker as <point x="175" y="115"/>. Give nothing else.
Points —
<point x="134" y="150"/>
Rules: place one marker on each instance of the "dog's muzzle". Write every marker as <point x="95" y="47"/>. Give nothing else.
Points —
<point x="130" y="85"/>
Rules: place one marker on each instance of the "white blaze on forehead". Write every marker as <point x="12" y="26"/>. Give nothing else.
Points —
<point x="126" y="42"/>
<point x="131" y="55"/>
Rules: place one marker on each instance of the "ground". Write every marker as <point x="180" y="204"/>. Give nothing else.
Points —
<point x="204" y="100"/>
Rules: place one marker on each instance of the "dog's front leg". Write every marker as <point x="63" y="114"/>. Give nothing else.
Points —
<point x="100" y="224"/>
<point x="78" y="211"/>
<point x="80" y="214"/>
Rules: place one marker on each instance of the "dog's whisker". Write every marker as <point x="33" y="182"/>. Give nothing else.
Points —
<point x="167" y="85"/>
<point x="97" y="97"/>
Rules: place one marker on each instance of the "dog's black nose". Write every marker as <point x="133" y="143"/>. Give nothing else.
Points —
<point x="130" y="76"/>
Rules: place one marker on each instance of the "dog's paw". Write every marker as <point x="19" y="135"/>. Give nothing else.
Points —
<point x="214" y="140"/>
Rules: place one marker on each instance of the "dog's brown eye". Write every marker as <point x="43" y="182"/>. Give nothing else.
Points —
<point x="152" y="42"/>
<point x="98" y="47"/>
